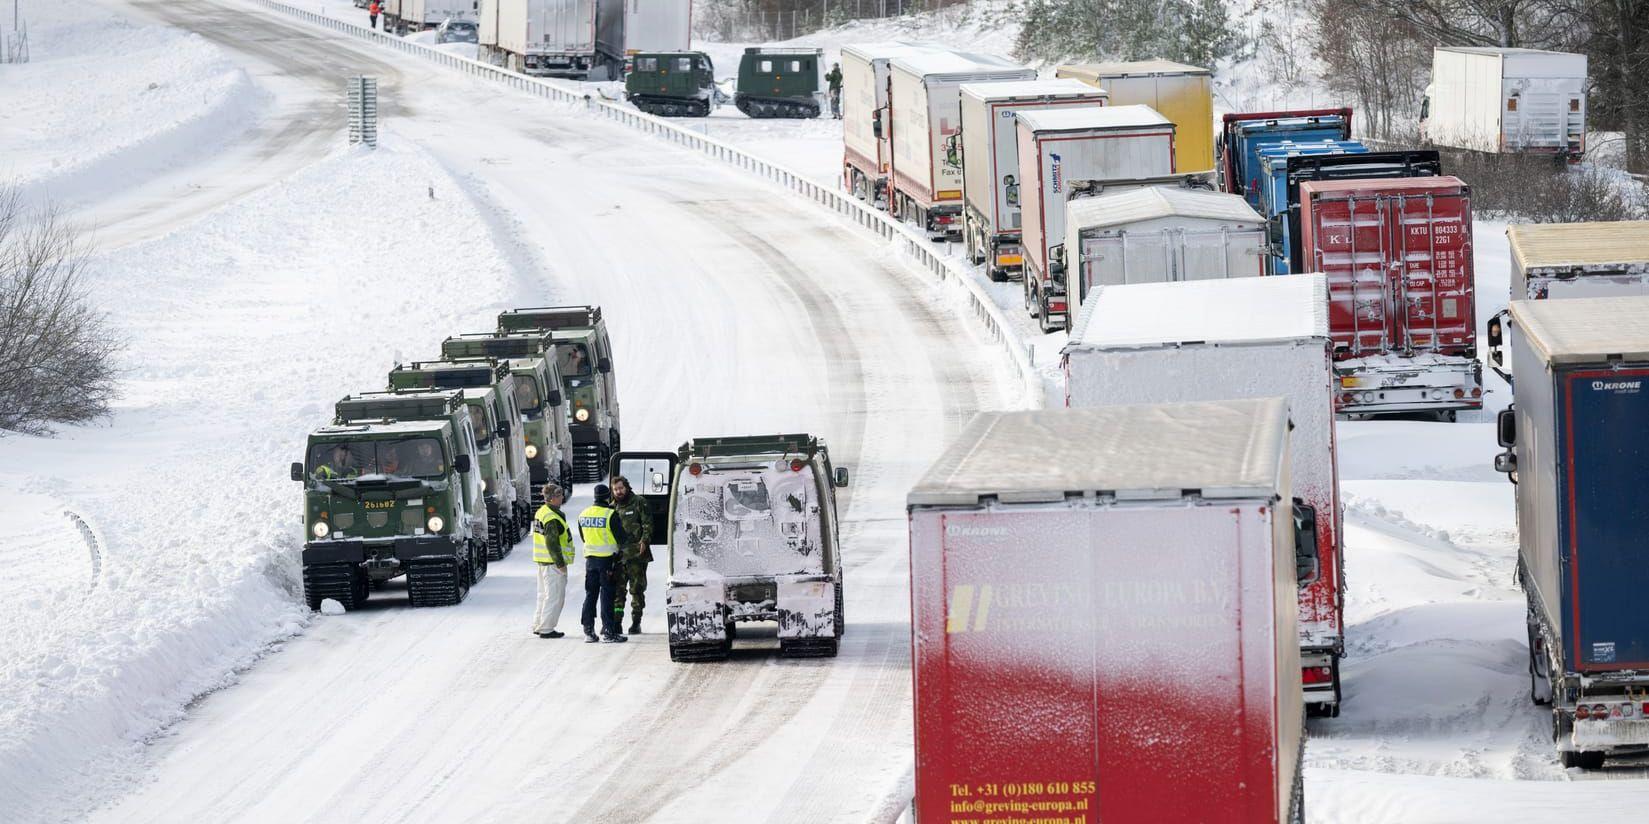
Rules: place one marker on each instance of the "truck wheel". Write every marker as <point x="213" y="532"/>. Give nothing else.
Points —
<point x="1540" y="686"/>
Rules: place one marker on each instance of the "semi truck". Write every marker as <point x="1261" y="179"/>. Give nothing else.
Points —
<point x="1575" y="260"/>
<point x="1070" y="152"/>
<point x="990" y="170"/>
<point x="1576" y="441"/>
<point x="925" y="105"/>
<point x="1506" y="100"/>
<point x="577" y="39"/>
<point x="1402" y="299"/>
<point x="867" y="131"/>
<point x="658" y="26"/>
<point x="1160" y="233"/>
<point x="1250" y="337"/>
<point x="1242" y="136"/>
<point x="1103" y="617"/>
<point x="1184" y="94"/>
<point x="404" y="16"/>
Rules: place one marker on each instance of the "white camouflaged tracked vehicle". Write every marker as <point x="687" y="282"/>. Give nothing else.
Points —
<point x="753" y="536"/>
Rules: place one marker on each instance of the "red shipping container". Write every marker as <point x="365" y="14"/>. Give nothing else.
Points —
<point x="1402" y="308"/>
<point x="1103" y="618"/>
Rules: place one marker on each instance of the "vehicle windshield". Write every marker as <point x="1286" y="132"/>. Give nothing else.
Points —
<point x="417" y="457"/>
<point x="478" y="425"/>
<point x="527" y="401"/>
<point x="572" y="360"/>
<point x="749" y="522"/>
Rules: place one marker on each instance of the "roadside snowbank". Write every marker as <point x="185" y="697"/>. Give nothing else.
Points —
<point x="106" y="102"/>
<point x="243" y="330"/>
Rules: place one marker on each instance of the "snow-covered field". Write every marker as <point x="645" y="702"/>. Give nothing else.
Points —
<point x="156" y="664"/>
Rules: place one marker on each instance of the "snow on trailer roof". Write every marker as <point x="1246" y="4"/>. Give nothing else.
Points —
<point x="1543" y="245"/>
<point x="929" y="64"/>
<point x="1223" y="449"/>
<point x="889" y="50"/>
<point x="1092" y="117"/>
<point x="1134" y="68"/>
<point x="1152" y="202"/>
<point x="1222" y="311"/>
<point x="1585" y="330"/>
<point x="1011" y="89"/>
<point x="1499" y="50"/>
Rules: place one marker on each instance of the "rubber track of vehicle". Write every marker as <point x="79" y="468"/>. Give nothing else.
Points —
<point x="335" y="581"/>
<point x="434" y="583"/>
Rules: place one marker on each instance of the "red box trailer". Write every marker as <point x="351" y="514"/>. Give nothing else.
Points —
<point x="1103" y="618"/>
<point x="1402" y="298"/>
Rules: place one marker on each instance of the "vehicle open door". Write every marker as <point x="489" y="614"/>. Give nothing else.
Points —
<point x="652" y="475"/>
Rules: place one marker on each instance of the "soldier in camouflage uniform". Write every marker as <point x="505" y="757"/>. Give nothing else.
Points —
<point x="636" y="519"/>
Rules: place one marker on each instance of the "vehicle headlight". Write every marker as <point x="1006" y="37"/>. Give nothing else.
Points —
<point x="320" y="529"/>
<point x="435" y="523"/>
<point x="486" y="485"/>
<point x="581" y="415"/>
<point x="532" y="451"/>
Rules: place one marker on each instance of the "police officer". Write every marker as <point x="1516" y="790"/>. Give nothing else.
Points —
<point x="552" y="551"/>
<point x="636" y="516"/>
<point x="603" y="537"/>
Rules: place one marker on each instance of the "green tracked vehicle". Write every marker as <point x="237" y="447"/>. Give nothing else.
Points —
<point x="754" y="536"/>
<point x="672" y="84"/>
<point x="584" y="358"/>
<point x="490" y="389"/>
<point x="389" y="491"/>
<point x="779" y="83"/>
<point x="531" y="358"/>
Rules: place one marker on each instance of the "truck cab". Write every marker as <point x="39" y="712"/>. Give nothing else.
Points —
<point x="546" y="436"/>
<point x="390" y="490"/>
<point x="752" y="529"/>
<point x="671" y="84"/>
<point x="584" y="357"/>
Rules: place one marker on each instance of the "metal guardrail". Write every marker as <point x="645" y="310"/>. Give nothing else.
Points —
<point x="913" y="243"/>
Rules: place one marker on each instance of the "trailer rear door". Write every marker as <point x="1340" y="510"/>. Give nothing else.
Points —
<point x="1398" y="256"/>
<point x="1604" y="412"/>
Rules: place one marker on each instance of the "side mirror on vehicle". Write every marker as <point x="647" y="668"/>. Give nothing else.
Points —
<point x="297" y="471"/>
<point x="555" y="398"/>
<point x="1306" y="564"/>
<point x="1496" y="331"/>
<point x="1506" y="427"/>
<point x="876" y="123"/>
<point x="604" y="365"/>
<point x="1506" y="464"/>
<point x="841" y="476"/>
<point x="462" y="464"/>
<point x="1496" y="334"/>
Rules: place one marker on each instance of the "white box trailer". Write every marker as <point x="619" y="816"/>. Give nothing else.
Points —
<point x="867" y="146"/>
<point x="658" y="25"/>
<point x="1102" y="617"/>
<point x="1154" y="234"/>
<point x="418" y="15"/>
<point x="578" y="39"/>
<point x="1506" y="100"/>
<point x="1579" y="260"/>
<point x="990" y="162"/>
<point x="1232" y="339"/>
<point x="924" y="95"/>
<point x="1065" y="153"/>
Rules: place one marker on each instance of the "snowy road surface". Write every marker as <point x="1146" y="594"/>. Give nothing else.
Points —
<point x="734" y="309"/>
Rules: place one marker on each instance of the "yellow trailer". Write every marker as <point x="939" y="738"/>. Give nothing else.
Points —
<point x="1183" y="94"/>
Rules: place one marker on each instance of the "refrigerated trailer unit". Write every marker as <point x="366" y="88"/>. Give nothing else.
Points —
<point x="578" y="39"/>
<point x="1398" y="256"/>
<point x="1184" y="94"/>
<point x="867" y="146"/>
<point x="657" y="25"/>
<point x="1506" y="100"/>
<point x="1069" y="152"/>
<point x="1156" y="234"/>
<point x="1579" y="260"/>
<point x="926" y="111"/>
<point x="990" y="170"/>
<point x="1102" y="617"/>
<point x="1242" y="136"/>
<point x="1230" y="339"/>
<point x="1577" y="439"/>
<point x="417" y="15"/>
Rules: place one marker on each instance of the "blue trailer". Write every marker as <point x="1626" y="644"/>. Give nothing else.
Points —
<point x="1242" y="136"/>
<point x="1272" y="167"/>
<point x="1577" y="448"/>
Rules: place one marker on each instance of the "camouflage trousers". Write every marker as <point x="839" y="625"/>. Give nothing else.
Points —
<point x="632" y="576"/>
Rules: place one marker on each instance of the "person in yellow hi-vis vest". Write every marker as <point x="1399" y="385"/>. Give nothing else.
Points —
<point x="603" y="535"/>
<point x="552" y="551"/>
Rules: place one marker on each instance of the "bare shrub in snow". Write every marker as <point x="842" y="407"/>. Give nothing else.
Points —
<point x="1198" y="32"/>
<point x="1533" y="188"/>
<point x="1374" y="60"/>
<point x="56" y="351"/>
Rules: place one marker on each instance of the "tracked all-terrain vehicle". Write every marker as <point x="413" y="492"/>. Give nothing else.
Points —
<point x="753" y="536"/>
<point x="777" y="82"/>
<point x="389" y="490"/>
<point x="672" y="84"/>
<point x="490" y="391"/>
<point x="584" y="357"/>
<point x="546" y="432"/>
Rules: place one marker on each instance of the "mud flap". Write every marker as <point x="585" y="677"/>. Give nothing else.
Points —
<point x="696" y="616"/>
<point x="807" y="609"/>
